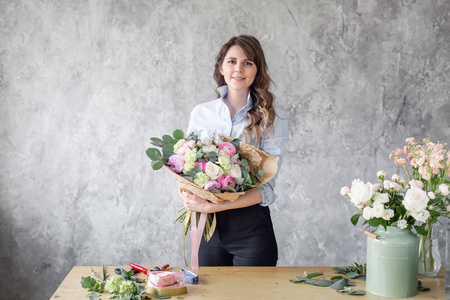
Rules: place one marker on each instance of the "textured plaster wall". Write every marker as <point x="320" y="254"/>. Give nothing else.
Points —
<point x="85" y="84"/>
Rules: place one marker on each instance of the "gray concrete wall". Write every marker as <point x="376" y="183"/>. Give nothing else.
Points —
<point x="85" y="84"/>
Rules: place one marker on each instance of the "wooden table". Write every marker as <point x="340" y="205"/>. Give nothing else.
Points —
<point x="248" y="283"/>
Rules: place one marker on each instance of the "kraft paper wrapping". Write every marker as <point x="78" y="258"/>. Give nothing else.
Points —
<point x="256" y="157"/>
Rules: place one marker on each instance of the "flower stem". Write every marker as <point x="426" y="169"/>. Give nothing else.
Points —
<point x="430" y="249"/>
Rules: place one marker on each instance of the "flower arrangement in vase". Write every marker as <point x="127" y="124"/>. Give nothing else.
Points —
<point x="429" y="171"/>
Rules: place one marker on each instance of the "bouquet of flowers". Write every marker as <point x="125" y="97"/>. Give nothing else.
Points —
<point x="388" y="203"/>
<point x="430" y="168"/>
<point x="217" y="170"/>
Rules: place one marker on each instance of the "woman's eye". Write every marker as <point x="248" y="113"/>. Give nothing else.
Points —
<point x="231" y="62"/>
<point x="248" y="64"/>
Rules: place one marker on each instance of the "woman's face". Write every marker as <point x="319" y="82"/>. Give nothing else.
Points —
<point x="238" y="71"/>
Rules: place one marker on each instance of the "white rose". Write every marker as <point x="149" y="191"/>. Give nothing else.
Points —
<point x="213" y="171"/>
<point x="402" y="224"/>
<point x="415" y="200"/>
<point x="209" y="148"/>
<point x="367" y="213"/>
<point x="381" y="174"/>
<point x="236" y="172"/>
<point x="388" y="214"/>
<point x="360" y="192"/>
<point x="378" y="210"/>
<point x="381" y="198"/>
<point x="416" y="184"/>
<point x="421" y="216"/>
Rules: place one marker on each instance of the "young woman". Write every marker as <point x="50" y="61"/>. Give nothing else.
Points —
<point x="244" y="235"/>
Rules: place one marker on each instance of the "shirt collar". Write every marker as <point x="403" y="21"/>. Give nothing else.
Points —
<point x="223" y="91"/>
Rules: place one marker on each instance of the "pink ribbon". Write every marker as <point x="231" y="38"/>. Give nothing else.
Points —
<point x="165" y="279"/>
<point x="196" y="236"/>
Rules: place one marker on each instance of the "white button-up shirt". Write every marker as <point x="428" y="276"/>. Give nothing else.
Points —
<point x="213" y="117"/>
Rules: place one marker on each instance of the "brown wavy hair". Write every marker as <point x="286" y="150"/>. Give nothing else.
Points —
<point x="262" y="113"/>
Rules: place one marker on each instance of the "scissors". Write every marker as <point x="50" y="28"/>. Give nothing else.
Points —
<point x="137" y="268"/>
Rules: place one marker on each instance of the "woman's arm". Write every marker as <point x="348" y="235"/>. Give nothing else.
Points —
<point x="197" y="204"/>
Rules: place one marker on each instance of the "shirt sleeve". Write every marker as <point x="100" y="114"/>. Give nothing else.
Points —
<point x="275" y="146"/>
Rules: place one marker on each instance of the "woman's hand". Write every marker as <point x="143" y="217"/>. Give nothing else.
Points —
<point x="195" y="203"/>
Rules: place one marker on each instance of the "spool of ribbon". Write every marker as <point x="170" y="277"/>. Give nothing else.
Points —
<point x="164" y="283"/>
<point x="196" y="237"/>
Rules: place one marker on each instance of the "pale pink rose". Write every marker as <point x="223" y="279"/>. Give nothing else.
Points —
<point x="431" y="195"/>
<point x="416" y="184"/>
<point x="398" y="151"/>
<point x="395" y="186"/>
<point x="361" y="206"/>
<point x="212" y="184"/>
<point x="345" y="190"/>
<point x="381" y="174"/>
<point x="237" y="161"/>
<point x="395" y="177"/>
<point x="387" y="185"/>
<point x="415" y="200"/>
<point x="186" y="147"/>
<point x="444" y="189"/>
<point x="228" y="148"/>
<point x="176" y="162"/>
<point x="227" y="181"/>
<point x="406" y="149"/>
<point x="376" y="187"/>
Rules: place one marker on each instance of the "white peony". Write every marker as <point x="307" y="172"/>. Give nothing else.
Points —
<point x="213" y="171"/>
<point x="415" y="200"/>
<point x="360" y="193"/>
<point x="378" y="210"/>
<point x="367" y="213"/>
<point x="402" y="224"/>
<point x="381" y="198"/>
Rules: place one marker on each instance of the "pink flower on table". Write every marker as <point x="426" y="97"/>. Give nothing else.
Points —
<point x="212" y="184"/>
<point x="176" y="162"/>
<point x="227" y="181"/>
<point x="203" y="164"/>
<point x="228" y="148"/>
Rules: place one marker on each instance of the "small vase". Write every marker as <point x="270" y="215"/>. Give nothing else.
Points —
<point x="429" y="256"/>
<point x="392" y="262"/>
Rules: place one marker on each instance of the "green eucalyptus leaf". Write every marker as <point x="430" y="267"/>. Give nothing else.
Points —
<point x="312" y="275"/>
<point x="167" y="150"/>
<point x="351" y="275"/>
<point x="161" y="297"/>
<point x="156" y="165"/>
<point x="235" y="142"/>
<point x="157" y="142"/>
<point x="178" y="134"/>
<point x="260" y="173"/>
<point x="168" y="139"/>
<point x="340" y="284"/>
<point x="153" y="153"/>
<point x="321" y="282"/>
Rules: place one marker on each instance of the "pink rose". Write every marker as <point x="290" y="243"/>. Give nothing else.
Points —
<point x="228" y="148"/>
<point x="431" y="195"/>
<point x="227" y="181"/>
<point x="211" y="184"/>
<point x="176" y="162"/>
<point x="185" y="147"/>
<point x="203" y="164"/>
<point x="345" y="190"/>
<point x="444" y="189"/>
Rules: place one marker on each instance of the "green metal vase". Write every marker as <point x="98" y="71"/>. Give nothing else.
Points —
<point x="392" y="263"/>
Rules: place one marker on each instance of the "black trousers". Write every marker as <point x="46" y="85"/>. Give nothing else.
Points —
<point x="243" y="237"/>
